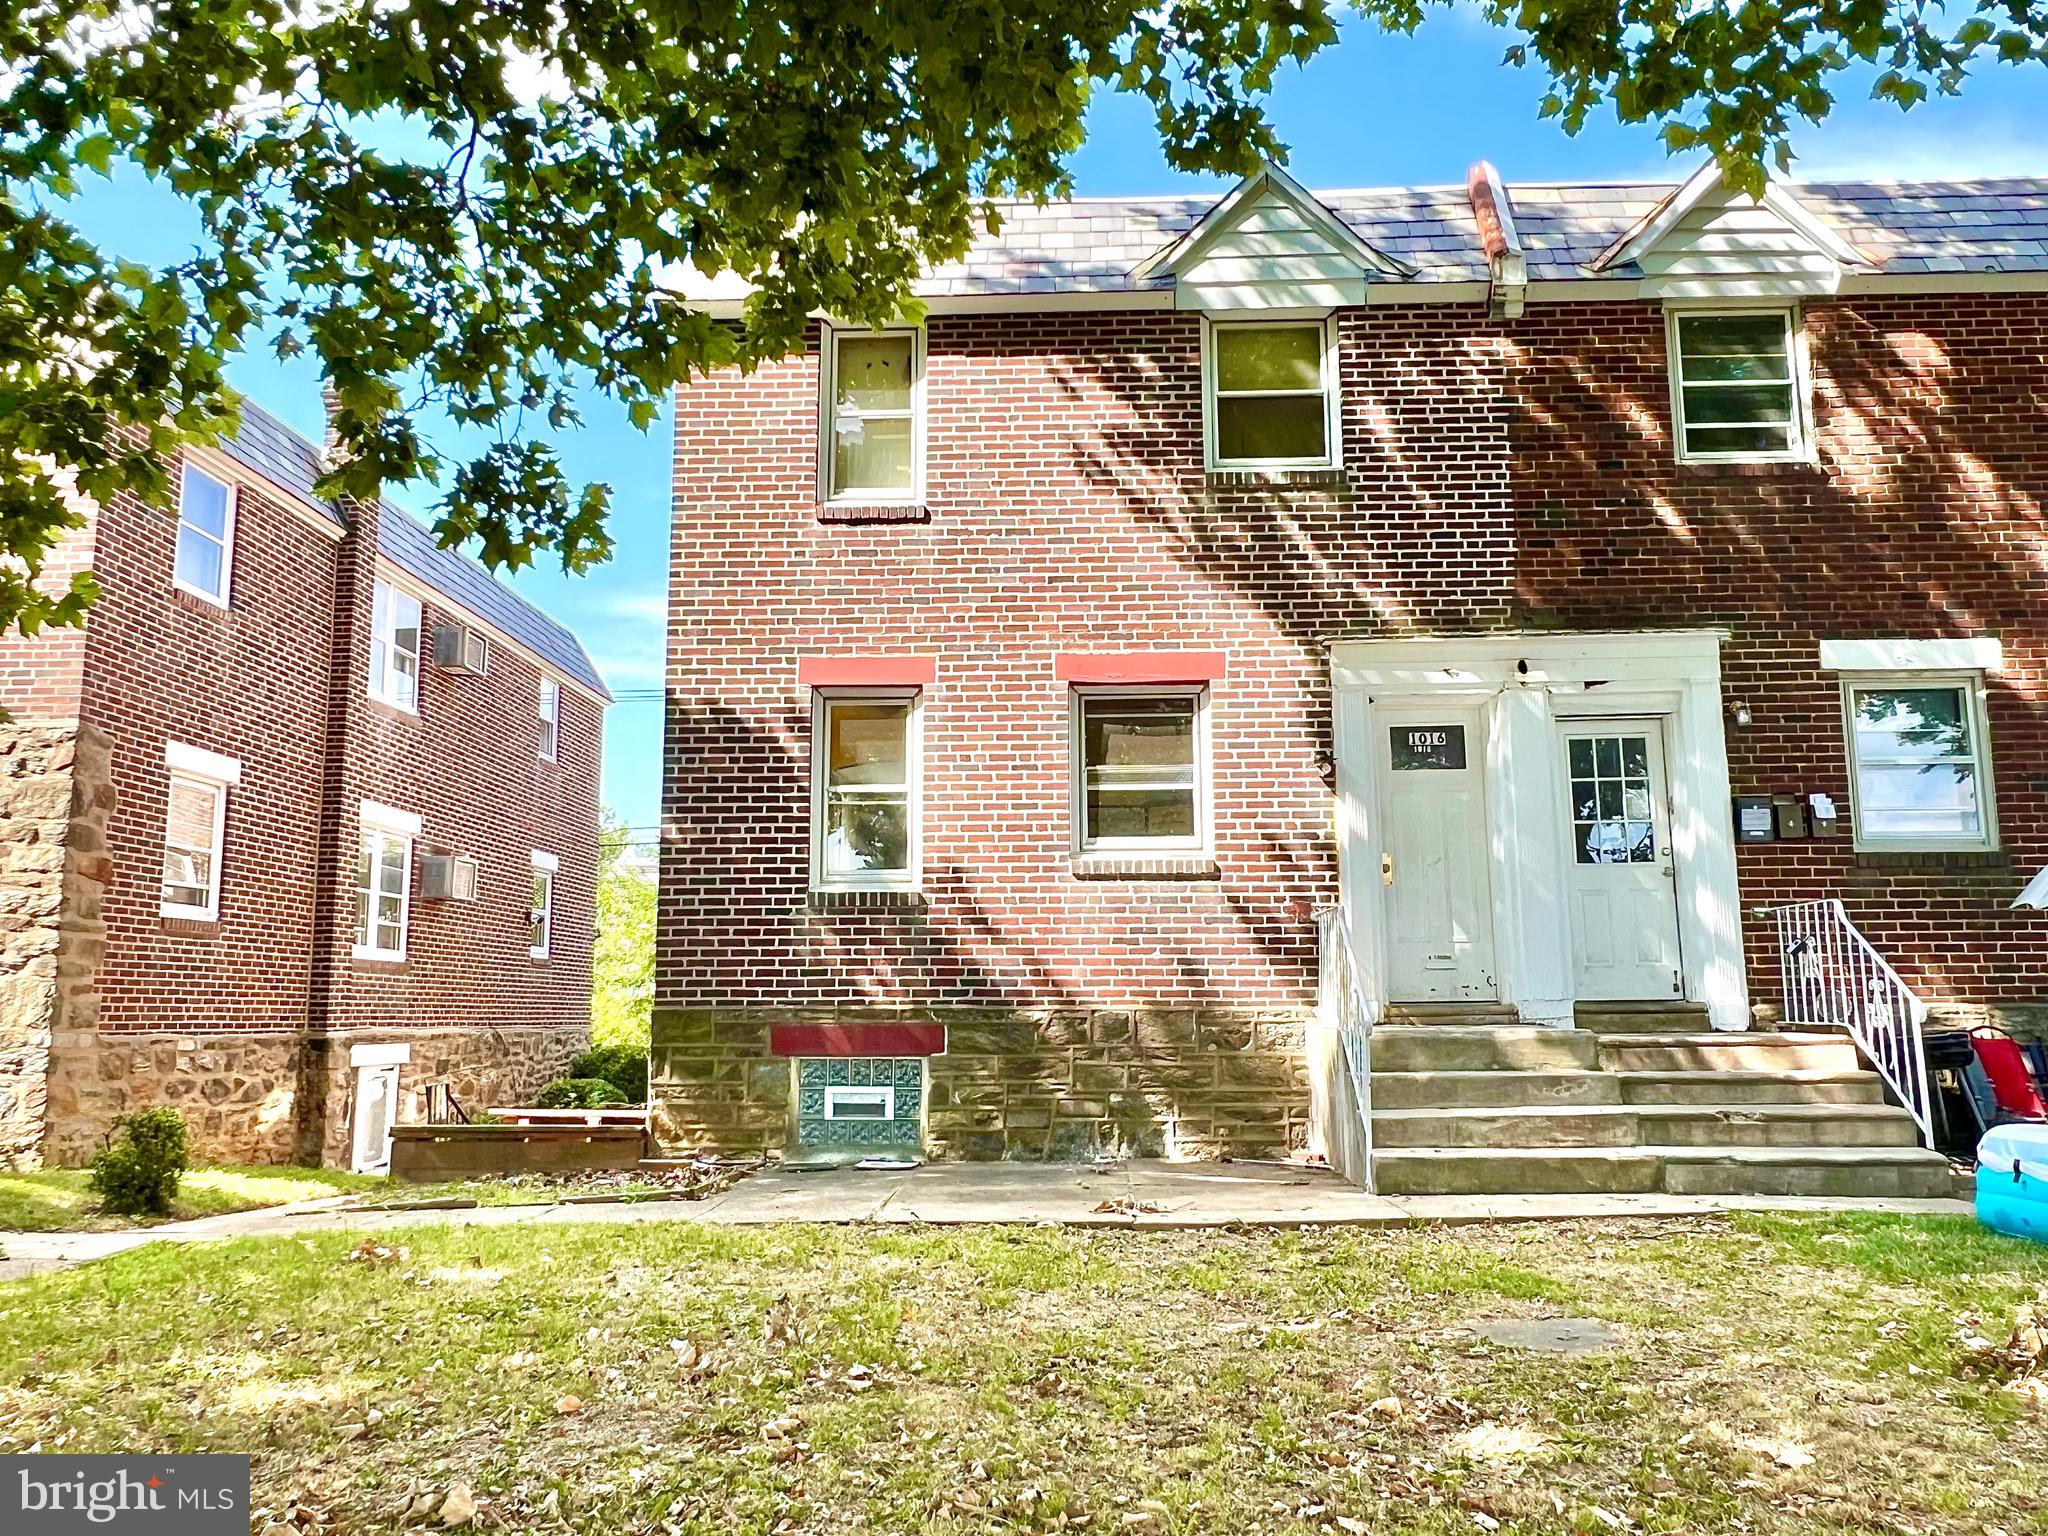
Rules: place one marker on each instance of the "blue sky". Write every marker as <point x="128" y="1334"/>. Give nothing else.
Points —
<point x="1374" y="110"/>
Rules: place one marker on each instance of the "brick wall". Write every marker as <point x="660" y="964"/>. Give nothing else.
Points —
<point x="219" y="1010"/>
<point x="1497" y="475"/>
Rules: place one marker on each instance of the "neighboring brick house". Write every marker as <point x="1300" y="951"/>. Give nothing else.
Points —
<point x="1449" y="559"/>
<point x="300" y="823"/>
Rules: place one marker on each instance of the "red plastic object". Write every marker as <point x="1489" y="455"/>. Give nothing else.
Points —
<point x="2011" y="1083"/>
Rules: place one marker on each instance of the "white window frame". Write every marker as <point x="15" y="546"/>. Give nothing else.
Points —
<point x="828" y="400"/>
<point x="1972" y="686"/>
<point x="823" y="701"/>
<point x="550" y="707"/>
<point x="860" y="1093"/>
<point x="1800" y="448"/>
<point x="209" y="771"/>
<point x="384" y="638"/>
<point x="387" y="825"/>
<point x="545" y="868"/>
<point x="1203" y="843"/>
<point x="1330" y="391"/>
<point x="226" y="540"/>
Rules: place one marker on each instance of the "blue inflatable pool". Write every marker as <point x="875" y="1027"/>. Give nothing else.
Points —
<point x="2012" y="1180"/>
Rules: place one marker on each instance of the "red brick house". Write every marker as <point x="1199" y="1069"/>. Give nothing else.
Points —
<point x="1236" y="675"/>
<point x="301" y="823"/>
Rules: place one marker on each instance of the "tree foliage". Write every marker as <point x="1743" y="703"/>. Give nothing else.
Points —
<point x="476" y="206"/>
<point x="622" y="964"/>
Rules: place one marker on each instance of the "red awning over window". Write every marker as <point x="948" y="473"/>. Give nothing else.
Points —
<point x="1138" y="666"/>
<point x="867" y="671"/>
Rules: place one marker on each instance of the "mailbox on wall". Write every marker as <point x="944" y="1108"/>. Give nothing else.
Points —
<point x="1755" y="819"/>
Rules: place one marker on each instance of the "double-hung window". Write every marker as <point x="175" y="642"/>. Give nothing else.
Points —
<point x="874" y="416"/>
<point x="1736" y="385"/>
<point x="864" y="775"/>
<point x="1140" y="771"/>
<point x="1919" y="759"/>
<point x="384" y="881"/>
<point x="395" y="647"/>
<point x="195" y="825"/>
<point x="1270" y="400"/>
<point x="540" y="918"/>
<point x="550" y="719"/>
<point x="206" y="535"/>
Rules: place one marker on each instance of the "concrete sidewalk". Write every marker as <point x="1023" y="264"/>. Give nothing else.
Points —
<point x="1137" y="1196"/>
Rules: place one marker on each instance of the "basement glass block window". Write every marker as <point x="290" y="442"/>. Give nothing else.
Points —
<point x="865" y="830"/>
<point x="1140" y="772"/>
<point x="1737" y="385"/>
<point x="872" y="436"/>
<point x="1269" y="395"/>
<point x="1922" y="780"/>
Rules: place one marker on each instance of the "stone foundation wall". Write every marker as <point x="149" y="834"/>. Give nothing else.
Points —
<point x="2023" y="1021"/>
<point x="281" y="1096"/>
<point x="35" y="812"/>
<point x="1022" y="1084"/>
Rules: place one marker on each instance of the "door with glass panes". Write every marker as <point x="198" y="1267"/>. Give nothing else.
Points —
<point x="1622" y="882"/>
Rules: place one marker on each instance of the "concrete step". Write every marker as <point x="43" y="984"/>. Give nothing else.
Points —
<point x="1508" y="1048"/>
<point x="1843" y="1172"/>
<point x="1618" y="1125"/>
<point x="1641" y="1018"/>
<point x="1728" y="1052"/>
<point x="1492" y="1090"/>
<point x="1858" y="1087"/>
<point x="1454" y="1014"/>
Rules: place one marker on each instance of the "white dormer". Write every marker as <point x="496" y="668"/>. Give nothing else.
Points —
<point x="1269" y="245"/>
<point x="1708" y="241"/>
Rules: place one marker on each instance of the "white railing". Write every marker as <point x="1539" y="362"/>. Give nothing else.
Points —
<point x="1343" y="1066"/>
<point x="1832" y="975"/>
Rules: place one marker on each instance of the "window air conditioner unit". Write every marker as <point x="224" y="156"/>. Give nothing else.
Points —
<point x="444" y="877"/>
<point x="457" y="649"/>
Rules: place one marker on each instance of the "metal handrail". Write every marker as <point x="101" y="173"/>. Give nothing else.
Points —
<point x="1833" y="975"/>
<point x="1341" y="1009"/>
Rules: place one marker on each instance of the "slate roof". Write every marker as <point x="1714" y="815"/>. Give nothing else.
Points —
<point x="1091" y="245"/>
<point x="292" y="463"/>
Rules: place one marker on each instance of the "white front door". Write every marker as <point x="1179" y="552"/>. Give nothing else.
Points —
<point x="1434" y="858"/>
<point x="1622" y="887"/>
<point x="376" y="1110"/>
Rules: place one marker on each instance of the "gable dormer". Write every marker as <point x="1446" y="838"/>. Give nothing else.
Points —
<point x="1708" y="241"/>
<point x="1269" y="245"/>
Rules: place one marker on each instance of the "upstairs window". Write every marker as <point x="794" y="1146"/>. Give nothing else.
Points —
<point x="1140" y="766"/>
<point x="874" y="416"/>
<point x="395" y="648"/>
<point x="864" y="818"/>
<point x="206" y="535"/>
<point x="1919" y="762"/>
<point x="1271" y="396"/>
<point x="1736" y="385"/>
<point x="550" y="719"/>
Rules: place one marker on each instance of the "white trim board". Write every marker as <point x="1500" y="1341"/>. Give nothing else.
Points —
<point x="201" y="764"/>
<point x="1522" y="685"/>
<point x="1971" y="655"/>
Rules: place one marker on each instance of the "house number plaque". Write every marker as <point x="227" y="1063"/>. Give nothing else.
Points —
<point x="1427" y="746"/>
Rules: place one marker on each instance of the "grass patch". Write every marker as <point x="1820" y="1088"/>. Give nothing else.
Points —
<point x="58" y="1200"/>
<point x="1774" y="1375"/>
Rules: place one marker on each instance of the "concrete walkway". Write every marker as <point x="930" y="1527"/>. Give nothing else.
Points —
<point x="1138" y="1196"/>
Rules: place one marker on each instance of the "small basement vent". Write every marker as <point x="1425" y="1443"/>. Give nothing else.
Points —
<point x="444" y="877"/>
<point x="457" y="649"/>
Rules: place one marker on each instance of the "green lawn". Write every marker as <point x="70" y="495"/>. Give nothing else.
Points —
<point x="1772" y="1376"/>
<point x="57" y="1199"/>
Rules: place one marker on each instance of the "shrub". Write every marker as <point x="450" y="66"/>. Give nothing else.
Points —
<point x="578" y="1093"/>
<point x="623" y="1066"/>
<point x="136" y="1173"/>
